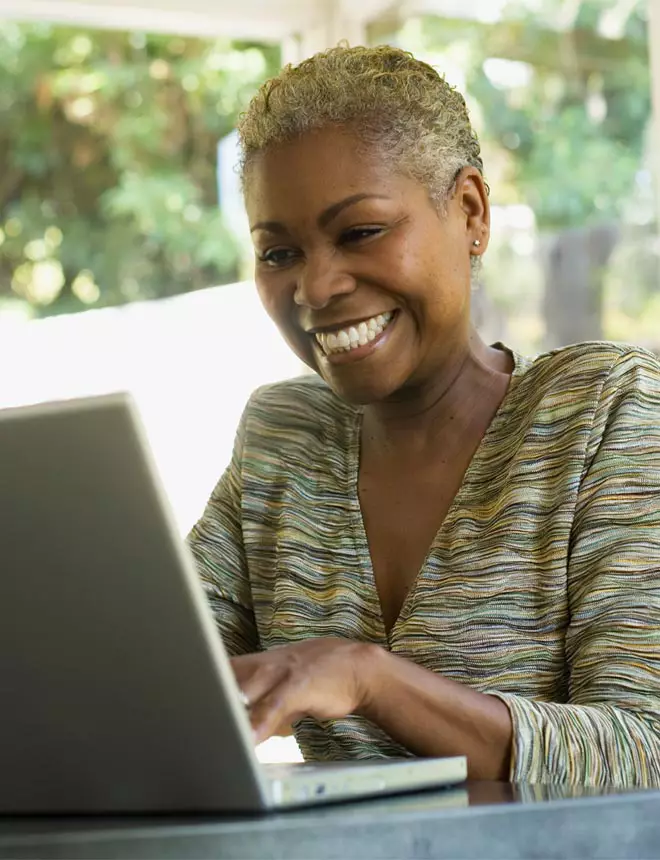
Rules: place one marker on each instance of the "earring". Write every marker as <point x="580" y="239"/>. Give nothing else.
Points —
<point x="477" y="243"/>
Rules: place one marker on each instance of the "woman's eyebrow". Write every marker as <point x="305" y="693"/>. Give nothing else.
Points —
<point x="332" y="211"/>
<point x="325" y="217"/>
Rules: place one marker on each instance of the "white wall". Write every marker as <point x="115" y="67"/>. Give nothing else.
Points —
<point x="191" y="362"/>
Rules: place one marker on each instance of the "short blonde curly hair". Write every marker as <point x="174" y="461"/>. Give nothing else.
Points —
<point x="385" y="96"/>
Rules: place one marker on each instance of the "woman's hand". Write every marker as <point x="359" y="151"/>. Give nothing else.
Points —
<point x="320" y="678"/>
<point x="331" y="678"/>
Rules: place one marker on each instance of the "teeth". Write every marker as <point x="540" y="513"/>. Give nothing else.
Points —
<point x="344" y="340"/>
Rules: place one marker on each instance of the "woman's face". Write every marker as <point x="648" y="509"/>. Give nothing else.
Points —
<point x="367" y="282"/>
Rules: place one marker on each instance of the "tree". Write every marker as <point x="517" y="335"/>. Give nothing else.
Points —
<point x="572" y="128"/>
<point x="108" y="142"/>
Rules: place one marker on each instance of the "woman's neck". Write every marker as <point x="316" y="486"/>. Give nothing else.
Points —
<point x="463" y="397"/>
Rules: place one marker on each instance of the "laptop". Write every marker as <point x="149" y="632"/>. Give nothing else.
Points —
<point x="116" y="693"/>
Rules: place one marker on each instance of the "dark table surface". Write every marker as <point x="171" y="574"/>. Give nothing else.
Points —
<point x="477" y="820"/>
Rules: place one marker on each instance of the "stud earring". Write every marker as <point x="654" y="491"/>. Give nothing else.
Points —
<point x="477" y="243"/>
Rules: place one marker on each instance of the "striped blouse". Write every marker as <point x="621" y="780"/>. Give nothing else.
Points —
<point x="541" y="586"/>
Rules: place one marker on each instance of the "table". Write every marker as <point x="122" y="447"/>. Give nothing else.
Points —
<point x="476" y="820"/>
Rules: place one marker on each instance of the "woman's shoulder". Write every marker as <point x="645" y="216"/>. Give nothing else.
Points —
<point x="304" y="405"/>
<point x="601" y="364"/>
<point x="304" y="392"/>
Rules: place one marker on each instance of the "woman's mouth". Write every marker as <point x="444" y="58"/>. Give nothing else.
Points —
<point x="357" y="339"/>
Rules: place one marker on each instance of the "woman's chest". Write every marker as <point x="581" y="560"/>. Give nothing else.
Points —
<point x="488" y="604"/>
<point x="477" y="572"/>
<point x="402" y="513"/>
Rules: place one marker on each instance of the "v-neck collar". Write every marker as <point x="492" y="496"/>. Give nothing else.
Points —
<point x="491" y="437"/>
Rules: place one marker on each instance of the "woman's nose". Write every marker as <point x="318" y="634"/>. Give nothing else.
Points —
<point x="319" y="282"/>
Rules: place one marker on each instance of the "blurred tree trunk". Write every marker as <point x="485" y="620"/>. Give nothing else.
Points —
<point x="574" y="267"/>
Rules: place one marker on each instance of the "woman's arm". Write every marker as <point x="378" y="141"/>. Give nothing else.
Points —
<point x="434" y="716"/>
<point x="216" y="543"/>
<point x="609" y="731"/>
<point x="331" y="678"/>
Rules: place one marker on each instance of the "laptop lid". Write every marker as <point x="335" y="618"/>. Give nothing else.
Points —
<point x="109" y="657"/>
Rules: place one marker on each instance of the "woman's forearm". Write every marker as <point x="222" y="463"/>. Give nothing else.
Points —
<point x="434" y="716"/>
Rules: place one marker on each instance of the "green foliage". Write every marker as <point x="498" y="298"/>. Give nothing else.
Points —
<point x="574" y="130"/>
<point x="108" y="188"/>
<point x="559" y="92"/>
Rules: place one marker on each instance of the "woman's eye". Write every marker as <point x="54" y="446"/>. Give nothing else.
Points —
<point x="358" y="234"/>
<point x="277" y="256"/>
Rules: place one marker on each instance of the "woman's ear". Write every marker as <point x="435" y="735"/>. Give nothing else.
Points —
<point x="472" y="197"/>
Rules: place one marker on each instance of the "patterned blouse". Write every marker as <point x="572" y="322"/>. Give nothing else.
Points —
<point x="541" y="587"/>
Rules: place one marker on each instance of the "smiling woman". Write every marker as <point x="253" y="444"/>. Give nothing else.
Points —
<point x="433" y="546"/>
<point x="387" y="236"/>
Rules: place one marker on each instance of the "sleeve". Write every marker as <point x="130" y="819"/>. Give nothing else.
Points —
<point x="216" y="543"/>
<point x="608" y="732"/>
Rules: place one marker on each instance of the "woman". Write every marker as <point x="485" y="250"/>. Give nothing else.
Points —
<point x="433" y="546"/>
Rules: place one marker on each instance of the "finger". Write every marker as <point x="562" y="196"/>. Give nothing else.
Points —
<point x="246" y="664"/>
<point x="275" y="713"/>
<point x="244" y="667"/>
<point x="244" y="699"/>
<point x="258" y="683"/>
<point x="285" y="730"/>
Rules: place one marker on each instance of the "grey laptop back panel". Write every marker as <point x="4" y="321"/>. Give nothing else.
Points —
<point x="108" y="656"/>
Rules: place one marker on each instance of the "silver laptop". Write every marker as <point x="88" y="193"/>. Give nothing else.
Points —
<point x="116" y="694"/>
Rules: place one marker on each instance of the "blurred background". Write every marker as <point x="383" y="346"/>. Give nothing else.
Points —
<point x="124" y="259"/>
